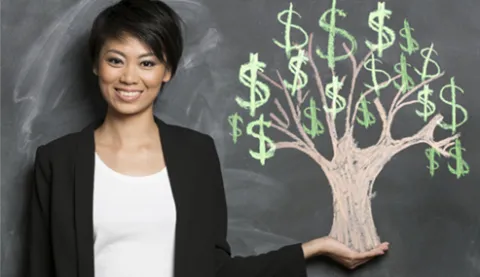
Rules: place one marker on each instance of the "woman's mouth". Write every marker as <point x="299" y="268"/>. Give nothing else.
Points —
<point x="128" y="96"/>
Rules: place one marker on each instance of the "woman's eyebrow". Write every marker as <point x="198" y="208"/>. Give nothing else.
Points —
<point x="122" y="54"/>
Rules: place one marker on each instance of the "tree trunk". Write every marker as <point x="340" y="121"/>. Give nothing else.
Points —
<point x="353" y="222"/>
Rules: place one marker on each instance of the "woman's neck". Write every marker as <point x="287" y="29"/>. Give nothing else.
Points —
<point x="125" y="131"/>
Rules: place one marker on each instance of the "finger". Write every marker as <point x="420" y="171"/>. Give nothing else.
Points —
<point x="369" y="254"/>
<point x="384" y="246"/>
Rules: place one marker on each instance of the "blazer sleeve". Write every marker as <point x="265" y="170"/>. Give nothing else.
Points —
<point x="287" y="261"/>
<point x="40" y="262"/>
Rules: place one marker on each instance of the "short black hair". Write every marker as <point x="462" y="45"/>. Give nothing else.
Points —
<point x="151" y="21"/>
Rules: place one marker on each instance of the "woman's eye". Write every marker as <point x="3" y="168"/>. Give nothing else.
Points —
<point x="114" y="61"/>
<point x="148" y="63"/>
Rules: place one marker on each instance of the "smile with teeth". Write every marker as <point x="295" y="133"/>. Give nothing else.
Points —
<point x="129" y="93"/>
<point x="129" y="96"/>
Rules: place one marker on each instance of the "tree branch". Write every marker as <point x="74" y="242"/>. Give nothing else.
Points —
<point x="282" y="111"/>
<point x="355" y="71"/>
<point x="425" y="135"/>
<point x="298" y="144"/>
<point x="305" y="97"/>
<point x="300" y="97"/>
<point x="328" y="117"/>
<point x="296" y="117"/>
<point x="383" y="116"/>
<point x="278" y="121"/>
<point x="332" y="105"/>
<point x="317" y="157"/>
<point x="387" y="129"/>
<point x="268" y="79"/>
<point x="300" y="100"/>
<point x="397" y="103"/>
<point x="286" y="132"/>
<point x="415" y="88"/>
<point x="395" y="99"/>
<point x="306" y="145"/>
<point x="403" y="105"/>
<point x="365" y="94"/>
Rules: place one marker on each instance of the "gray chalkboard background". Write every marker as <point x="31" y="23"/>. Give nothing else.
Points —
<point x="433" y="223"/>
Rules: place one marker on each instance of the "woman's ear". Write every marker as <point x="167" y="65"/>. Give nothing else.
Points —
<point x="95" y="71"/>
<point x="167" y="76"/>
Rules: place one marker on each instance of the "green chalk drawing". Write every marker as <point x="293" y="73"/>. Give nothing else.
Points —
<point x="330" y="27"/>
<point x="461" y="167"/>
<point x="412" y="45"/>
<point x="365" y="118"/>
<point x="407" y="81"/>
<point x="338" y="101"/>
<point x="427" y="60"/>
<point x="428" y="106"/>
<point x="298" y="123"/>
<point x="433" y="165"/>
<point x="300" y="78"/>
<point x="259" y="91"/>
<point x="234" y="119"/>
<point x="370" y="65"/>
<point x="263" y="140"/>
<point x="285" y="17"/>
<point x="385" y="35"/>
<point x="316" y="126"/>
<point x="453" y="103"/>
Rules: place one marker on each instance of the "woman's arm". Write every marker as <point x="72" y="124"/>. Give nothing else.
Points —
<point x="288" y="261"/>
<point x="40" y="262"/>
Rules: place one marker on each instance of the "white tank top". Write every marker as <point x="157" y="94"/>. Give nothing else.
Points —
<point x="134" y="224"/>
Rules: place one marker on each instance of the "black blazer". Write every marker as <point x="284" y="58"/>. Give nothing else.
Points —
<point x="61" y="241"/>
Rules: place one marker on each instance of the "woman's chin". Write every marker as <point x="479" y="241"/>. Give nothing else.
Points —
<point x="127" y="109"/>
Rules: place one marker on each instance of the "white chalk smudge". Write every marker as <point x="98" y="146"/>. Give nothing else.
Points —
<point x="40" y="67"/>
<point x="197" y="55"/>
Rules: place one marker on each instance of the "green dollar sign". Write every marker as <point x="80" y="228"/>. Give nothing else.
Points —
<point x="433" y="164"/>
<point x="316" y="127"/>
<point x="412" y="44"/>
<point x="428" y="106"/>
<point x="263" y="140"/>
<point x="288" y="45"/>
<point x="330" y="27"/>
<point x="385" y="35"/>
<point x="368" y="117"/>
<point x="259" y="92"/>
<point x="370" y="65"/>
<point x="407" y="81"/>
<point x="461" y="167"/>
<point x="300" y="78"/>
<point x="453" y="103"/>
<point x="427" y="60"/>
<point x="234" y="119"/>
<point x="331" y="90"/>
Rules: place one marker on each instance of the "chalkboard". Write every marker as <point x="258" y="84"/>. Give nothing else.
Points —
<point x="294" y="168"/>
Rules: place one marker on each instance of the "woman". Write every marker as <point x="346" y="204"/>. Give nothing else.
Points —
<point x="130" y="195"/>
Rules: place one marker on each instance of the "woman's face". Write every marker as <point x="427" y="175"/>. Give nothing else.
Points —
<point x="130" y="75"/>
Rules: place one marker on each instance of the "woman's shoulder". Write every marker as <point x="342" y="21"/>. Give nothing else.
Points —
<point x="192" y="135"/>
<point x="62" y="144"/>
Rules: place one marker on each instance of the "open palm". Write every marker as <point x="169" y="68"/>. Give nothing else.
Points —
<point x="348" y="257"/>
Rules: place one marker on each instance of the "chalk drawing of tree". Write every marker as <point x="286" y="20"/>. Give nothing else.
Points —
<point x="352" y="170"/>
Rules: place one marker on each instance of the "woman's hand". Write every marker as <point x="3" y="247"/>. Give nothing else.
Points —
<point x="340" y="252"/>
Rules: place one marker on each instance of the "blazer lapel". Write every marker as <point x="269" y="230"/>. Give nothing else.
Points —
<point x="176" y="159"/>
<point x="84" y="177"/>
<point x="176" y="155"/>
